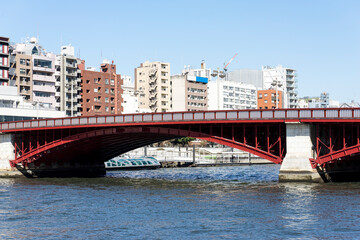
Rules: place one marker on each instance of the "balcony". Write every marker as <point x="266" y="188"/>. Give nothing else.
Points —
<point x="43" y="69"/>
<point x="152" y="80"/>
<point x="44" y="99"/>
<point x="73" y="74"/>
<point x="42" y="88"/>
<point x="44" y="78"/>
<point x="25" y="83"/>
<point x="25" y="92"/>
<point x="71" y="65"/>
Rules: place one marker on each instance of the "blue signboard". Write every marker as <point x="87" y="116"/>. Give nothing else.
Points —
<point x="202" y="79"/>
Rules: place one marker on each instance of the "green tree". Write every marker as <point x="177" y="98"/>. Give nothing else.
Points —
<point x="182" y="141"/>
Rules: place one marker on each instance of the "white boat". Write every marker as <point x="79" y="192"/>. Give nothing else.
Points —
<point x="121" y="163"/>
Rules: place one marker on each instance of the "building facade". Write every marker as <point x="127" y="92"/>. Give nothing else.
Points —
<point x="14" y="108"/>
<point x="248" y="76"/>
<point x="68" y="82"/>
<point x="152" y="81"/>
<point x="269" y="99"/>
<point x="101" y="91"/>
<point x="4" y="61"/>
<point x="33" y="71"/>
<point x="130" y="102"/>
<point x="227" y="95"/>
<point x="284" y="79"/>
<point x="190" y="89"/>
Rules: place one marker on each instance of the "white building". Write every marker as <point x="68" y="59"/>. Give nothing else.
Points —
<point x="130" y="102"/>
<point x="323" y="101"/>
<point x="227" y="95"/>
<point x="68" y="82"/>
<point x="248" y="76"/>
<point x="283" y="79"/>
<point x="14" y="108"/>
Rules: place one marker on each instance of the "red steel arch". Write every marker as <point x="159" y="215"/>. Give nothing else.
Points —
<point x="103" y="144"/>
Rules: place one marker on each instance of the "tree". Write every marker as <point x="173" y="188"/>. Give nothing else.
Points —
<point x="182" y="141"/>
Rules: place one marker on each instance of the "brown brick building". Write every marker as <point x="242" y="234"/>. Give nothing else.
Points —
<point x="267" y="99"/>
<point x="101" y="91"/>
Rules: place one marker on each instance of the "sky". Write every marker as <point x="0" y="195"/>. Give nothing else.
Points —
<point x="318" y="38"/>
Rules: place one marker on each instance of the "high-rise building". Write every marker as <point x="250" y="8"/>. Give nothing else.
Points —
<point x="152" y="81"/>
<point x="227" y="95"/>
<point x="283" y="79"/>
<point x="190" y="89"/>
<point x="4" y="61"/>
<point x="101" y="91"/>
<point x="33" y="71"/>
<point x="68" y="81"/>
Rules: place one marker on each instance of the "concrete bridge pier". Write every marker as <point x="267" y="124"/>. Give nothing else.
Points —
<point x="296" y="165"/>
<point x="7" y="151"/>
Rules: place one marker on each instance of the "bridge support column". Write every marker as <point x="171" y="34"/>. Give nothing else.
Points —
<point x="296" y="165"/>
<point x="7" y="151"/>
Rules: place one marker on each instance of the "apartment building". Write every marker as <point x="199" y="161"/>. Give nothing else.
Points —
<point x="4" y="61"/>
<point x="68" y="82"/>
<point x="191" y="89"/>
<point x="33" y="71"/>
<point x="269" y="99"/>
<point x="283" y="79"/>
<point x="227" y="95"/>
<point x="14" y="108"/>
<point x="101" y="91"/>
<point x="152" y="81"/>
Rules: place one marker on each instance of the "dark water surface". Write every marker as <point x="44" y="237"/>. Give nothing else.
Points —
<point x="244" y="202"/>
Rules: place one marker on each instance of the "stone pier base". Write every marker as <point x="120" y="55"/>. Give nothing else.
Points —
<point x="296" y="165"/>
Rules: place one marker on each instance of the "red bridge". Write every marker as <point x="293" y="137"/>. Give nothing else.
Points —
<point x="306" y="141"/>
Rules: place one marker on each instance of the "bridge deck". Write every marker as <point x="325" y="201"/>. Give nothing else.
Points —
<point x="256" y="115"/>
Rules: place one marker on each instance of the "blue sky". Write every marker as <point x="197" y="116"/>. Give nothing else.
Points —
<point x="320" y="39"/>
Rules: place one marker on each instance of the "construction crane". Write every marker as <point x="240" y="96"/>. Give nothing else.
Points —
<point x="225" y="68"/>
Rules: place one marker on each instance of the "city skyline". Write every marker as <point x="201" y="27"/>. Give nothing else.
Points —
<point x="318" y="39"/>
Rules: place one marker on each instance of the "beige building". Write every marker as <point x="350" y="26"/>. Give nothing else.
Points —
<point x="191" y="89"/>
<point x="152" y="81"/>
<point x="33" y="71"/>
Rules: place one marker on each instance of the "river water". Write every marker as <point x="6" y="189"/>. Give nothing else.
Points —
<point x="244" y="202"/>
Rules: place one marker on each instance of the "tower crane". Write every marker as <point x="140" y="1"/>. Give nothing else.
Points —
<point x="227" y="64"/>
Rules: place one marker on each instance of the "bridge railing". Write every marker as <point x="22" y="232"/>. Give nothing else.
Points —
<point x="231" y="115"/>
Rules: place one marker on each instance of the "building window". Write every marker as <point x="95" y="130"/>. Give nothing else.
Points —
<point x="106" y="81"/>
<point x="106" y="90"/>
<point x="107" y="99"/>
<point x="95" y="80"/>
<point x="106" y="109"/>
<point x="265" y="94"/>
<point x="265" y="101"/>
<point x="112" y="81"/>
<point x="95" y="90"/>
<point x="260" y="96"/>
<point x="22" y="61"/>
<point x="22" y="71"/>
